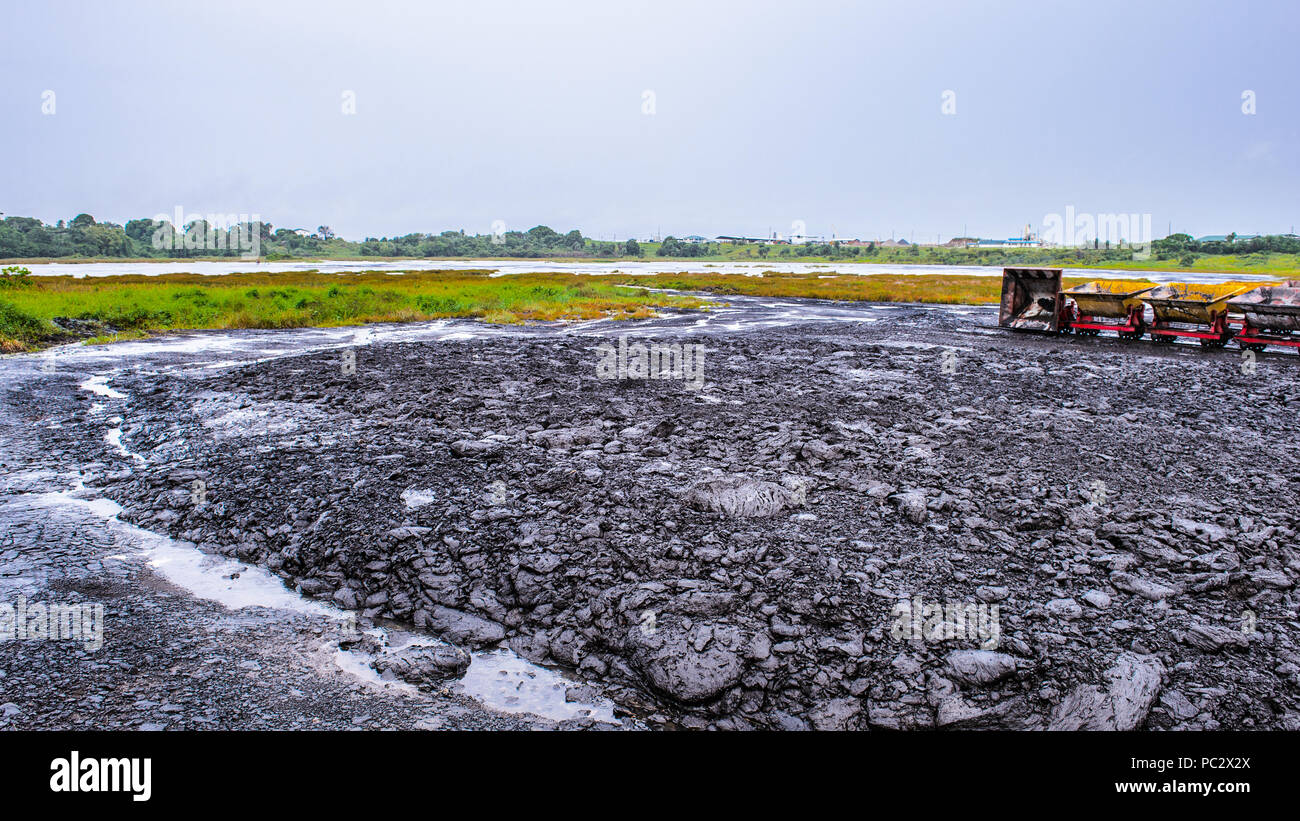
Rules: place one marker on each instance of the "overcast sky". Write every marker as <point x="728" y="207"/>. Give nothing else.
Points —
<point x="758" y="115"/>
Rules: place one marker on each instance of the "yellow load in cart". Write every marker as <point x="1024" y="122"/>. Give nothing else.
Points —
<point x="1112" y="298"/>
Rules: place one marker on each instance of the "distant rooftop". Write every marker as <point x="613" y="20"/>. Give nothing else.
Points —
<point x="1224" y="237"/>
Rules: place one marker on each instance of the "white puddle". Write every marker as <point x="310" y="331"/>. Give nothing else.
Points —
<point x="114" y="439"/>
<point x="204" y="575"/>
<point x="358" y="666"/>
<point x="98" y="385"/>
<point x="502" y="680"/>
<point x="497" y="678"/>
<point x="414" y="497"/>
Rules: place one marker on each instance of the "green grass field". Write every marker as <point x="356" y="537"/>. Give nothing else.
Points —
<point x="950" y="289"/>
<point x="136" y="305"/>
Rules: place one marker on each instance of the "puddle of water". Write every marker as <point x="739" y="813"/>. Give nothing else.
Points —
<point x="502" y="680"/>
<point x="98" y="385"/>
<point x="496" y="678"/>
<point x="204" y="575"/>
<point x="114" y="439"/>
<point x="356" y="663"/>
<point x="417" y="498"/>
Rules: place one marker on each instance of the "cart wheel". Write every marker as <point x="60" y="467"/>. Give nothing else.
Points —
<point x="1257" y="348"/>
<point x="1162" y="339"/>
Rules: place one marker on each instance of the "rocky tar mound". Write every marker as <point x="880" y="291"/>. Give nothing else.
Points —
<point x="898" y="525"/>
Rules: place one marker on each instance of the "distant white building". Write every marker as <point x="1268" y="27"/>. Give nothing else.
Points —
<point x="804" y="239"/>
<point x="1013" y="242"/>
<point x="1027" y="239"/>
<point x="745" y="240"/>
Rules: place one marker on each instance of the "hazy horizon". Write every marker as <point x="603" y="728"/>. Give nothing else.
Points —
<point x="760" y="117"/>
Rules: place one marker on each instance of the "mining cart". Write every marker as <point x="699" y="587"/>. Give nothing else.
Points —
<point x="1271" y="316"/>
<point x="1193" y="311"/>
<point x="1109" y="305"/>
<point x="1031" y="301"/>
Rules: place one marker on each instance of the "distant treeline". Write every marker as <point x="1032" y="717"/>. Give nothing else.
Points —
<point x="83" y="236"/>
<point x="535" y="242"/>
<point x="1177" y="245"/>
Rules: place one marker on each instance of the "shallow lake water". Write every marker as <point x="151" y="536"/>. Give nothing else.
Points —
<point x="658" y="266"/>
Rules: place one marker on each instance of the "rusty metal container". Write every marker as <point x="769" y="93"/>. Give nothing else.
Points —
<point x="1030" y="299"/>
<point x="1271" y="307"/>
<point x="1181" y="302"/>
<point x="1112" y="298"/>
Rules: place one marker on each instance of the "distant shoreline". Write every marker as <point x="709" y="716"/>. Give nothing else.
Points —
<point x="1289" y="267"/>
